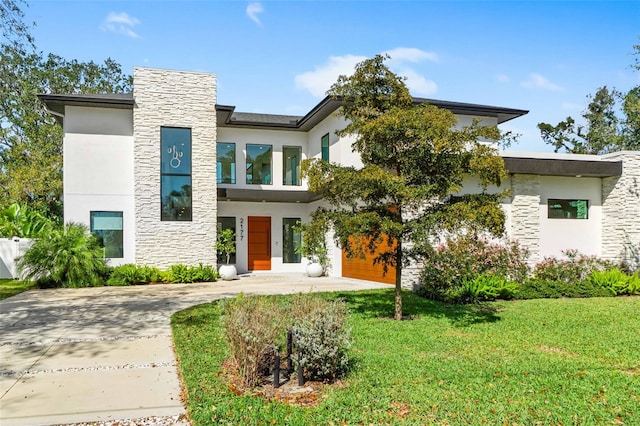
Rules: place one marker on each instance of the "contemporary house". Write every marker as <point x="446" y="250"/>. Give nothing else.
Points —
<point x="156" y="172"/>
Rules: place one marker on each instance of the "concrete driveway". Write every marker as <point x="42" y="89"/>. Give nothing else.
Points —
<point x="106" y="354"/>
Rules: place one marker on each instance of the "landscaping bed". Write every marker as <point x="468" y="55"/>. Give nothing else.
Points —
<point x="556" y="361"/>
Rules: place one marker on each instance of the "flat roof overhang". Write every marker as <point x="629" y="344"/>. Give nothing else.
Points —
<point x="57" y="103"/>
<point x="228" y="117"/>
<point x="560" y="167"/>
<point x="267" y="196"/>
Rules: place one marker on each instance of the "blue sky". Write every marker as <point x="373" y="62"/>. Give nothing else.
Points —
<point x="280" y="56"/>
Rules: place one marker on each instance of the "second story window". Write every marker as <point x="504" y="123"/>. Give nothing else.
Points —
<point x="175" y="173"/>
<point x="325" y="147"/>
<point x="259" y="164"/>
<point x="291" y="165"/>
<point x="226" y="162"/>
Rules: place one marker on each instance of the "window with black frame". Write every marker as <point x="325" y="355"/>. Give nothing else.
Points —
<point x="226" y="222"/>
<point x="175" y="174"/>
<point x="107" y="228"/>
<point x="567" y="209"/>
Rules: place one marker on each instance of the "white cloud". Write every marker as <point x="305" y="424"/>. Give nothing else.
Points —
<point x="503" y="78"/>
<point x="120" y="23"/>
<point x="253" y="9"/>
<point x="410" y="54"/>
<point x="417" y="84"/>
<point x="317" y="82"/>
<point x="537" y="81"/>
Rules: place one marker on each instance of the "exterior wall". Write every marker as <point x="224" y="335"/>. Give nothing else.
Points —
<point x="525" y="213"/>
<point x="174" y="99"/>
<point x="339" y="147"/>
<point x="277" y="211"/>
<point x="10" y="250"/>
<point x="98" y="168"/>
<point x="278" y="139"/>
<point x="557" y="235"/>
<point x="621" y="211"/>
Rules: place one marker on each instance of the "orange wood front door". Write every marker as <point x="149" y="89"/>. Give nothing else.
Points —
<point x="259" y="230"/>
<point x="364" y="269"/>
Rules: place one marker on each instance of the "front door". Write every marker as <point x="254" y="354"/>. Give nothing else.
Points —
<point x="259" y="229"/>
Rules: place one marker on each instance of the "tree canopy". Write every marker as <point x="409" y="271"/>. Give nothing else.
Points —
<point x="30" y="139"/>
<point x="611" y="123"/>
<point x="415" y="159"/>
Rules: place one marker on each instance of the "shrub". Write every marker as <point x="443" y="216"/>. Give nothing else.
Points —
<point x="535" y="288"/>
<point x="204" y="273"/>
<point x="616" y="281"/>
<point x="66" y="257"/>
<point x="131" y="274"/>
<point x="481" y="288"/>
<point x="180" y="273"/>
<point x="256" y="326"/>
<point x="464" y="258"/>
<point x="252" y="324"/>
<point x="574" y="268"/>
<point x="322" y="339"/>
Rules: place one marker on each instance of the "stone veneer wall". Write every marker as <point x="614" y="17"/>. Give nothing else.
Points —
<point x="174" y="99"/>
<point x="525" y="213"/>
<point x="621" y="211"/>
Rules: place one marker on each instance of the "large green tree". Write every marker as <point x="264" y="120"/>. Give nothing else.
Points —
<point x="610" y="123"/>
<point x="30" y="139"/>
<point x="414" y="162"/>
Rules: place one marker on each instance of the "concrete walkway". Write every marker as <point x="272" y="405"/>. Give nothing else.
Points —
<point x="105" y="354"/>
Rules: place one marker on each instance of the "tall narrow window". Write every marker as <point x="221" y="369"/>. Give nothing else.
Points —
<point x="259" y="164"/>
<point x="291" y="240"/>
<point x="567" y="209"/>
<point x="226" y="162"/>
<point x="226" y="223"/>
<point x="107" y="227"/>
<point x="325" y="147"/>
<point x="291" y="165"/>
<point x="175" y="170"/>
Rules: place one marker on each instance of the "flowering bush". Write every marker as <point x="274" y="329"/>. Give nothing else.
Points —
<point x="464" y="258"/>
<point x="575" y="267"/>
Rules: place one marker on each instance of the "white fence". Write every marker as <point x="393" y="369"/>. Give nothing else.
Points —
<point x="10" y="250"/>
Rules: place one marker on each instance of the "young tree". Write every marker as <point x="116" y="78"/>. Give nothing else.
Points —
<point x="612" y="123"/>
<point x="414" y="161"/>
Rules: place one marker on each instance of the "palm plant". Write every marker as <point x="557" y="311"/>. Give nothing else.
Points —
<point x="23" y="222"/>
<point x="67" y="257"/>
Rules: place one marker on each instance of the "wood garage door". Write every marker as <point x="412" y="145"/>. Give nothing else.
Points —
<point x="259" y="230"/>
<point x="364" y="269"/>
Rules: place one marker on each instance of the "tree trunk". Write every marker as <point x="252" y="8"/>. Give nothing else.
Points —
<point x="398" y="312"/>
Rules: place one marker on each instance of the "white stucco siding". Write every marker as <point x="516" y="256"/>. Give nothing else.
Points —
<point x="98" y="164"/>
<point x="276" y="211"/>
<point x="98" y="169"/>
<point x="98" y="121"/>
<point x="278" y="139"/>
<point x="340" y="150"/>
<point x="467" y="120"/>
<point x="584" y="235"/>
<point x="78" y="208"/>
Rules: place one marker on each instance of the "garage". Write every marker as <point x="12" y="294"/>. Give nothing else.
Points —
<point x="364" y="269"/>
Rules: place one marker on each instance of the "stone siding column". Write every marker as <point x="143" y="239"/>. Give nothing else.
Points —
<point x="174" y="99"/>
<point x="621" y="211"/>
<point x="525" y="213"/>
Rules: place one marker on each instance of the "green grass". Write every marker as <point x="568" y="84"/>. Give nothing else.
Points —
<point x="9" y="287"/>
<point x="560" y="361"/>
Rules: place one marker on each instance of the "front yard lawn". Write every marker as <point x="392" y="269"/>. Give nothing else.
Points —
<point x="11" y="287"/>
<point x="560" y="361"/>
